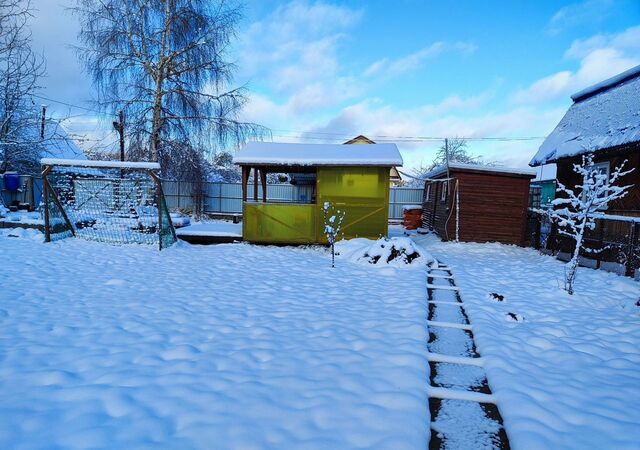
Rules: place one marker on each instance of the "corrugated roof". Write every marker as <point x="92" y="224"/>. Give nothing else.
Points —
<point x="602" y="116"/>
<point x="286" y="154"/>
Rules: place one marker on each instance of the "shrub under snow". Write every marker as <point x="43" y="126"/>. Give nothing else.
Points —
<point x="396" y="251"/>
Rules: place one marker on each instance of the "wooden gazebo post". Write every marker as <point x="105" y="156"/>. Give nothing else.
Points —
<point x="245" y="180"/>
<point x="255" y="184"/>
<point x="263" y="179"/>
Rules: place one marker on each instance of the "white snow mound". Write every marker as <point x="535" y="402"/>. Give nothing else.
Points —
<point x="395" y="251"/>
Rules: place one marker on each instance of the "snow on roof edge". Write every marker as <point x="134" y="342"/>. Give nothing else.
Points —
<point x="496" y="169"/>
<point x="303" y="154"/>
<point x="102" y="164"/>
<point x="606" y="84"/>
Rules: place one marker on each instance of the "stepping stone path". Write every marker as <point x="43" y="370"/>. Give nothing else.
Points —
<point x="463" y="410"/>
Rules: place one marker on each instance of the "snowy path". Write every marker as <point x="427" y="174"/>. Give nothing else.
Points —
<point x="225" y="347"/>
<point x="565" y="370"/>
<point x="463" y="411"/>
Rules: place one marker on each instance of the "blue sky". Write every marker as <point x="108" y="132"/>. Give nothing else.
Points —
<point x="323" y="71"/>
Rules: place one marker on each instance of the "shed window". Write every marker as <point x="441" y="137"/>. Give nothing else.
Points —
<point x="445" y="191"/>
<point x="427" y="192"/>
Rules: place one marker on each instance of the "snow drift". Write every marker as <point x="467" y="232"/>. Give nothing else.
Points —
<point x="395" y="251"/>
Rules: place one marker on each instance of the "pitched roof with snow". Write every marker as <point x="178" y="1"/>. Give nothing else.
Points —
<point x="442" y="169"/>
<point x="602" y="116"/>
<point x="281" y="154"/>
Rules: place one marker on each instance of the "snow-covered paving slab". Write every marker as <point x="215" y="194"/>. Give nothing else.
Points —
<point x="226" y="347"/>
<point x="568" y="375"/>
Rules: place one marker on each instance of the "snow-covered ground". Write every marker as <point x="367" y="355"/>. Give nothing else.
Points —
<point x="227" y="347"/>
<point x="564" y="369"/>
<point x="22" y="217"/>
<point x="212" y="228"/>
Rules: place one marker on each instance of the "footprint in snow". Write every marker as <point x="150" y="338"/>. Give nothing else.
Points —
<point x="512" y="317"/>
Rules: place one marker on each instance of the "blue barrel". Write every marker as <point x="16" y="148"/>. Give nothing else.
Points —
<point x="11" y="181"/>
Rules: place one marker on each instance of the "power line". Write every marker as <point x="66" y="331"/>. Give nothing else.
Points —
<point x="409" y="139"/>
<point x="321" y="135"/>
<point x="71" y="105"/>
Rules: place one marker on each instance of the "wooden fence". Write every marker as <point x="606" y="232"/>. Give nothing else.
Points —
<point x="614" y="244"/>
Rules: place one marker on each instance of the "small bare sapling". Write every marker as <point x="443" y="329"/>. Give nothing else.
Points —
<point x="333" y="219"/>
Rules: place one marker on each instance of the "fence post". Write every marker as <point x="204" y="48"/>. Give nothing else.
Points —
<point x="220" y="197"/>
<point x="178" y="183"/>
<point x="630" y="255"/>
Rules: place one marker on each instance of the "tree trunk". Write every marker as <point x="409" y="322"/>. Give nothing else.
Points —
<point x="157" y="120"/>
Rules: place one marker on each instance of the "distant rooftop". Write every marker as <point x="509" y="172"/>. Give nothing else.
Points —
<point x="603" y="116"/>
<point x="442" y="169"/>
<point x="286" y="154"/>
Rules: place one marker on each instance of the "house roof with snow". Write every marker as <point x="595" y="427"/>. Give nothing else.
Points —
<point x="287" y="154"/>
<point x="58" y="144"/>
<point x="603" y="116"/>
<point x="442" y="169"/>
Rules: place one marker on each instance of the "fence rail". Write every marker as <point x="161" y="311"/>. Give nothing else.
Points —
<point x="226" y="198"/>
<point x="614" y="243"/>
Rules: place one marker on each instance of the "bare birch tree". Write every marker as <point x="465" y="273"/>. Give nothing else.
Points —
<point x="20" y="69"/>
<point x="166" y="63"/>
<point x="458" y="152"/>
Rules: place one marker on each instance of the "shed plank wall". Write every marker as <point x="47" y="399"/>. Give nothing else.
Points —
<point x="626" y="206"/>
<point x="493" y="208"/>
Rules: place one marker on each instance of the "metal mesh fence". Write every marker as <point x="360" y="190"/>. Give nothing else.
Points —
<point x="113" y="205"/>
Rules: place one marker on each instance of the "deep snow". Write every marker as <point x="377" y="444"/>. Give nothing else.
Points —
<point x="227" y="347"/>
<point x="567" y="376"/>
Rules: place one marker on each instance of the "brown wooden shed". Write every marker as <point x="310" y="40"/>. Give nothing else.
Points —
<point x="474" y="203"/>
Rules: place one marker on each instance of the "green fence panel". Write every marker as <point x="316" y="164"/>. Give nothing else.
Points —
<point x="362" y="193"/>
<point x="279" y="223"/>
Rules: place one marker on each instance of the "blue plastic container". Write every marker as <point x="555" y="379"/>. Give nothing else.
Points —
<point x="11" y="181"/>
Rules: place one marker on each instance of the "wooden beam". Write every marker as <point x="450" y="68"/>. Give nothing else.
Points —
<point x="54" y="196"/>
<point x="255" y="184"/>
<point x="245" y="180"/>
<point x="263" y="178"/>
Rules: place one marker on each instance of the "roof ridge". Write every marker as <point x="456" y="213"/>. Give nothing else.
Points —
<point x="606" y="84"/>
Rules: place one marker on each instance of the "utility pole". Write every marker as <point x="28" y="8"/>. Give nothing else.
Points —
<point x="119" y="127"/>
<point x="42" y="121"/>
<point x="121" y="131"/>
<point x="446" y="154"/>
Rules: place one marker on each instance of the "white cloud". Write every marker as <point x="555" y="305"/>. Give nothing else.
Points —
<point x="453" y="116"/>
<point x="628" y="41"/>
<point x="294" y="52"/>
<point x="399" y="66"/>
<point x="587" y="11"/>
<point x="466" y="47"/>
<point x="600" y="57"/>
<point x="414" y="60"/>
